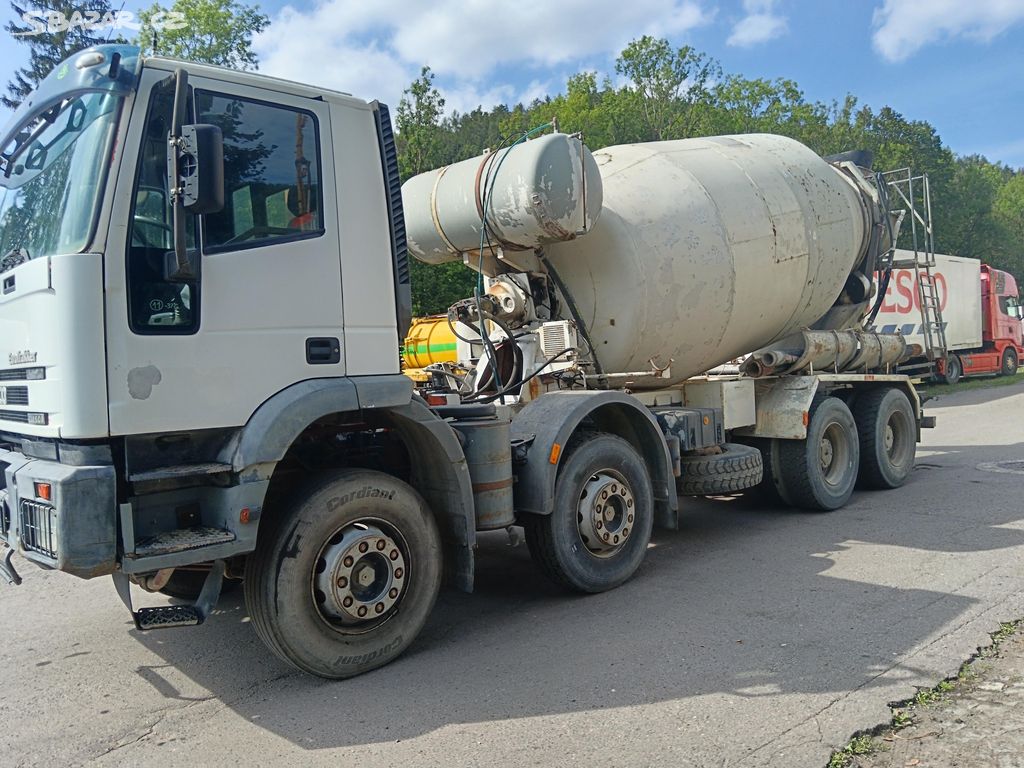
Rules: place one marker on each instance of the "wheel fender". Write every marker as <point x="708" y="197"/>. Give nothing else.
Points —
<point x="781" y="407"/>
<point x="439" y="473"/>
<point x="548" y="423"/>
<point x="273" y="427"/>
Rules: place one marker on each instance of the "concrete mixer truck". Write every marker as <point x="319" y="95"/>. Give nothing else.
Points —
<point x="204" y="285"/>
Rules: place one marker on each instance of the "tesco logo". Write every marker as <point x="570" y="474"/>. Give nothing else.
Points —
<point x="902" y="296"/>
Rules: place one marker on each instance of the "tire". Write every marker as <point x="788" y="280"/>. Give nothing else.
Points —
<point x="186" y="585"/>
<point x="1010" y="362"/>
<point x="819" y="473"/>
<point x="567" y="544"/>
<point x="736" y="468"/>
<point x="954" y="370"/>
<point x="312" y="563"/>
<point x="770" y="490"/>
<point x="887" y="431"/>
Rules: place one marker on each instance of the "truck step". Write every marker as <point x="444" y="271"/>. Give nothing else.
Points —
<point x="167" y="616"/>
<point x="179" y="471"/>
<point x="182" y="540"/>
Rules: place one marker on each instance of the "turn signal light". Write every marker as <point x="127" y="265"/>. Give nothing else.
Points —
<point x="43" y="491"/>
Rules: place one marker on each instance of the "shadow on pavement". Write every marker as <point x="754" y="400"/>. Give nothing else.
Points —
<point x="739" y="600"/>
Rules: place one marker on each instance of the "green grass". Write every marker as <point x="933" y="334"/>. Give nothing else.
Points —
<point x="981" y="382"/>
<point x="859" y="745"/>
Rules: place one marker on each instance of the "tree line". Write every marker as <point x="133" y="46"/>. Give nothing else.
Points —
<point x="664" y="92"/>
<point x="675" y="93"/>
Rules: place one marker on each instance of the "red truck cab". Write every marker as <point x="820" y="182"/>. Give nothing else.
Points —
<point x="1002" y="333"/>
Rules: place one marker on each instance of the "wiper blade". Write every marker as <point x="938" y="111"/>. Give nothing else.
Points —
<point x="48" y="118"/>
<point x="13" y="258"/>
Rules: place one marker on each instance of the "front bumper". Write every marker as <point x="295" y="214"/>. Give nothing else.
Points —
<point x="75" y="530"/>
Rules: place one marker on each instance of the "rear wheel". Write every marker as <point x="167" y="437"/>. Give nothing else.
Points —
<point x="954" y="370"/>
<point x="598" y="531"/>
<point x="1009" y="363"/>
<point x="888" y="438"/>
<point x="819" y="473"/>
<point x="345" y="580"/>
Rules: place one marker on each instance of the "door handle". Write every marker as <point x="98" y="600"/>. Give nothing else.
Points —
<point x="323" y="350"/>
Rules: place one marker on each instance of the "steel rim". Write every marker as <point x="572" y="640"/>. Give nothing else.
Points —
<point x="360" y="575"/>
<point x="605" y="513"/>
<point x="834" y="454"/>
<point x="897" y="436"/>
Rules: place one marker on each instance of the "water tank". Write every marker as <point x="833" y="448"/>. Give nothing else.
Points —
<point x="539" y="192"/>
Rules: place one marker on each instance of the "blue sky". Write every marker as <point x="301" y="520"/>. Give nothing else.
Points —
<point x="958" y="64"/>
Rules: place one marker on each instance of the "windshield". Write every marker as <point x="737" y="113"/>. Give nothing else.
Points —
<point x="51" y="186"/>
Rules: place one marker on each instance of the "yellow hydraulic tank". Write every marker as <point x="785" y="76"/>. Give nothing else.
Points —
<point x="430" y="340"/>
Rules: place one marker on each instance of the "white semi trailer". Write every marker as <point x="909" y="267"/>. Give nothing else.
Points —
<point x="205" y="284"/>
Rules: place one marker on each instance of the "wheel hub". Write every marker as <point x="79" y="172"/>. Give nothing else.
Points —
<point x="890" y="437"/>
<point x="605" y="513"/>
<point x="827" y="453"/>
<point x="360" y="575"/>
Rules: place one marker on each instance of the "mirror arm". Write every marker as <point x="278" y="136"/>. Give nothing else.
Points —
<point x="184" y="266"/>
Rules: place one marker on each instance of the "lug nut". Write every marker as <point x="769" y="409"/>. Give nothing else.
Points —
<point x="379" y="607"/>
<point x="348" y="561"/>
<point x="629" y="502"/>
<point x="394" y="554"/>
<point x="398" y="573"/>
<point x="381" y="544"/>
<point x="629" y="518"/>
<point x="361" y="611"/>
<point x="347" y="602"/>
<point x="342" y="582"/>
<point x="393" y="593"/>
<point x="363" y="546"/>
<point x="604" y="495"/>
<point x="616" y="541"/>
<point x="625" y="532"/>
<point x="598" y="525"/>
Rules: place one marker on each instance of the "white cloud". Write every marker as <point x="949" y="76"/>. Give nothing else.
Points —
<point x="903" y="27"/>
<point x="476" y="47"/>
<point x="760" y="25"/>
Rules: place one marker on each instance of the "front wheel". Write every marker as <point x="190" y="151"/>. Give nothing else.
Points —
<point x="346" y="578"/>
<point x="1008" y="366"/>
<point x="819" y="473"/>
<point x="597" y="534"/>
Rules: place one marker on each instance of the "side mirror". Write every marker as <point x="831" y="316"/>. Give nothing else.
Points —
<point x="198" y="165"/>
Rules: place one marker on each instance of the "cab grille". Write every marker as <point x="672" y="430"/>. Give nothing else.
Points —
<point x="39" y="528"/>
<point x="16" y="395"/>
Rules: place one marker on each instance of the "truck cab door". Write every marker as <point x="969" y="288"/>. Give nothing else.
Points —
<point x="265" y="310"/>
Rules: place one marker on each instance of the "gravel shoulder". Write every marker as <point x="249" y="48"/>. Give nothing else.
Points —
<point x="974" y="719"/>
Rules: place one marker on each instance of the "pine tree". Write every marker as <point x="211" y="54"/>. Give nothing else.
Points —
<point x="48" y="49"/>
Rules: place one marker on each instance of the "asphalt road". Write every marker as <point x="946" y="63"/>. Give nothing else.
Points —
<point x="749" y="637"/>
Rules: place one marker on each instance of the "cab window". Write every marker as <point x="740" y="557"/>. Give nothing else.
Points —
<point x="271" y="173"/>
<point x="155" y="305"/>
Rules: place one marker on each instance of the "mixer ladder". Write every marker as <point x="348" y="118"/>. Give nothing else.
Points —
<point x="915" y="194"/>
